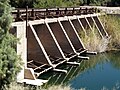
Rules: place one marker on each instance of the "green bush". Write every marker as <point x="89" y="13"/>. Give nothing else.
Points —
<point x="47" y="3"/>
<point x="56" y="3"/>
<point x="9" y="61"/>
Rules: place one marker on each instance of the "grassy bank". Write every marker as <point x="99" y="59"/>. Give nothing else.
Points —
<point x="112" y="26"/>
<point x="93" y="42"/>
<point x="15" y="86"/>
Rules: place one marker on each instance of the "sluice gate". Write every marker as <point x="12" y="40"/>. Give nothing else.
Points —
<point x="48" y="42"/>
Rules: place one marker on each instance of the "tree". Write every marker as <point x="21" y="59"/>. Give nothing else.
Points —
<point x="22" y="3"/>
<point x="47" y="3"/>
<point x="9" y="60"/>
<point x="57" y="3"/>
<point x="115" y="2"/>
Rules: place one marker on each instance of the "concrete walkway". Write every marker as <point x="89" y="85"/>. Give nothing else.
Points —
<point x="108" y="10"/>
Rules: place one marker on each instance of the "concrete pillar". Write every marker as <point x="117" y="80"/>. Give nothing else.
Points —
<point x="21" y="46"/>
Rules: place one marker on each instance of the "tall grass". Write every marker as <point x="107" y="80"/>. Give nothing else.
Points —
<point x="15" y="86"/>
<point x="93" y="41"/>
<point x="112" y="26"/>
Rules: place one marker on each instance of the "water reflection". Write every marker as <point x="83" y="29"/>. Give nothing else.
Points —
<point x="115" y="59"/>
<point x="100" y="71"/>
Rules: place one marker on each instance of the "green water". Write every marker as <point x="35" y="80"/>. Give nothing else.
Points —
<point x="101" y="72"/>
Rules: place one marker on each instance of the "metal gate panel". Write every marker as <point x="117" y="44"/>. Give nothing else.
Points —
<point x="47" y="41"/>
<point x="34" y="51"/>
<point x="61" y="38"/>
<point x="70" y="32"/>
<point x="100" y="26"/>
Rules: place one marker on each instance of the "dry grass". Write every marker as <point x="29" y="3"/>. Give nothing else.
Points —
<point x="112" y="26"/>
<point x="59" y="87"/>
<point x="93" y="42"/>
<point x="15" y="86"/>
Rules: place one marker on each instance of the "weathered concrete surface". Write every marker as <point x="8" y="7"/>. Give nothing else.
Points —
<point x="108" y="10"/>
<point x="20" y="32"/>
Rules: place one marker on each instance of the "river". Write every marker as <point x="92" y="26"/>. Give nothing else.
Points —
<point x="100" y="72"/>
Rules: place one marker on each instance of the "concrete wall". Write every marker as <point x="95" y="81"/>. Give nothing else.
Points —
<point x="19" y="29"/>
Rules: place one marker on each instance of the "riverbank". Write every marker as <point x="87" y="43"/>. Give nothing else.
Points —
<point x="94" y="74"/>
<point x="93" y="41"/>
<point x="15" y="86"/>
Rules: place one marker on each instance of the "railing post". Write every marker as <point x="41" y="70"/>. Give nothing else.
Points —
<point x="33" y="14"/>
<point x="65" y="11"/>
<point x="73" y="11"/>
<point x="18" y="14"/>
<point x="26" y="18"/>
<point x="47" y="12"/>
<point x="80" y="11"/>
<point x="57" y="12"/>
<point x="92" y="11"/>
<point x="86" y="11"/>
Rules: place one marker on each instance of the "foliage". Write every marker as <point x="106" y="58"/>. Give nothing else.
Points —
<point x="57" y="3"/>
<point x="112" y="25"/>
<point x="93" y="42"/>
<point x="9" y="61"/>
<point x="47" y="3"/>
<point x="114" y="3"/>
<point x="71" y="3"/>
<point x="22" y="3"/>
<point x="15" y="86"/>
<point x="99" y="2"/>
<point x="61" y="3"/>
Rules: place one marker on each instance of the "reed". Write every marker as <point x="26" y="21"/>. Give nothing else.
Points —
<point x="112" y="26"/>
<point x="93" y="41"/>
<point x="15" y="86"/>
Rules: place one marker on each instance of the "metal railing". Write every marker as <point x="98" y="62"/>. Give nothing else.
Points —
<point x="34" y="14"/>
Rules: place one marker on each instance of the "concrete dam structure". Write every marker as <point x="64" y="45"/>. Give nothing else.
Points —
<point x="50" y="37"/>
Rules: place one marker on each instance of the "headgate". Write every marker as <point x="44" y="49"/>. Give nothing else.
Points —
<point x="50" y="37"/>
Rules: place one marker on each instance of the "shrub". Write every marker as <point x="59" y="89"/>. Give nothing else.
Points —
<point x="112" y="26"/>
<point x="9" y="61"/>
<point x="93" y="42"/>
